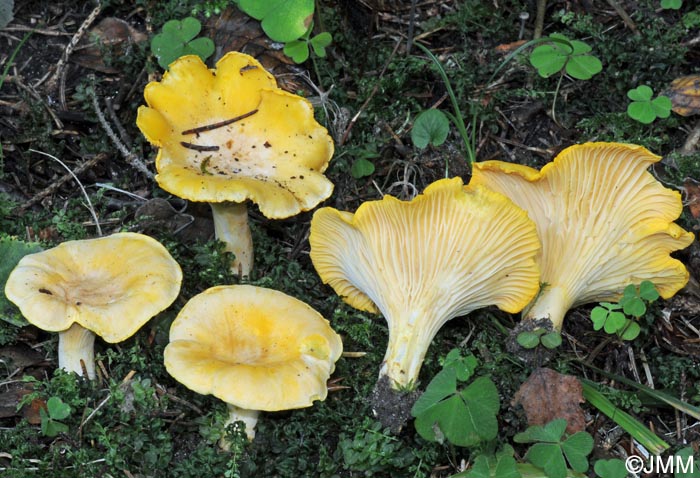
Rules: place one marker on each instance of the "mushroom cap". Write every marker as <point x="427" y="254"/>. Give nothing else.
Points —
<point x="110" y="285"/>
<point x="275" y="157"/>
<point x="604" y="221"/>
<point x="447" y="252"/>
<point x="252" y="347"/>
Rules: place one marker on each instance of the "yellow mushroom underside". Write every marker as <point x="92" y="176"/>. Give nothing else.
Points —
<point x="274" y="153"/>
<point x="254" y="348"/>
<point x="422" y="262"/>
<point x="604" y="221"/>
<point x="110" y="285"/>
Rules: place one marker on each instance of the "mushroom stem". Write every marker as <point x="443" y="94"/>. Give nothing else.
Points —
<point x="231" y="227"/>
<point x="552" y="303"/>
<point x="76" y="344"/>
<point x="237" y="414"/>
<point x="407" y="347"/>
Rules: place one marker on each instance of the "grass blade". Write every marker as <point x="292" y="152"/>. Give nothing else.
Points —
<point x="631" y="425"/>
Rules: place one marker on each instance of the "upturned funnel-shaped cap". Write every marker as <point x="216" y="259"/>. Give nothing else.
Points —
<point x="604" y="222"/>
<point x="422" y="262"/>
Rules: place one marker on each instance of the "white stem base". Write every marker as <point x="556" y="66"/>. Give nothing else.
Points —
<point x="236" y="414"/>
<point x="76" y="349"/>
<point x="231" y="227"/>
<point x="552" y="304"/>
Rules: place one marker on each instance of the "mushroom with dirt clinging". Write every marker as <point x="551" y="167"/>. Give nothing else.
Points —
<point x="604" y="222"/>
<point x="109" y="286"/>
<point x="228" y="135"/>
<point x="256" y="349"/>
<point x="422" y="262"/>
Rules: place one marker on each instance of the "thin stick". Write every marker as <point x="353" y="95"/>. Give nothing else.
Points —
<point x="60" y="66"/>
<point x="220" y="124"/>
<point x="128" y="156"/>
<point x="198" y="147"/>
<point x="80" y="185"/>
<point x="90" y="163"/>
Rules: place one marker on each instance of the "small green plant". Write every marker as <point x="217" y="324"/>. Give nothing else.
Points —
<point x="562" y="55"/>
<point x="461" y="416"/>
<point x="373" y="450"/>
<point x="55" y="411"/>
<point x="281" y="20"/>
<point x="298" y="50"/>
<point x="671" y="4"/>
<point x="6" y="7"/>
<point x="178" y="38"/>
<point x="692" y="464"/>
<point x="290" y="22"/>
<point x="645" y="109"/>
<point x="614" y="318"/>
<point x="531" y="339"/>
<point x="613" y="468"/>
<point x="552" y="448"/>
<point x="500" y="465"/>
<point x="12" y="250"/>
<point x="430" y="127"/>
<point x="211" y="7"/>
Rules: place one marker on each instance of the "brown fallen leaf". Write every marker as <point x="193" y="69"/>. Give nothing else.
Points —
<point x="684" y="93"/>
<point x="547" y="395"/>
<point x="110" y="32"/>
<point x="692" y="196"/>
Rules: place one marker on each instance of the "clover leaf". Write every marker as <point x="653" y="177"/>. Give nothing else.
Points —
<point x="502" y="465"/>
<point x="55" y="410"/>
<point x="281" y="20"/>
<point x="551" y="451"/>
<point x="465" y="416"/>
<point x="572" y="56"/>
<point x="671" y="4"/>
<point x="689" y="464"/>
<point x="613" y="468"/>
<point x="430" y="127"/>
<point x="298" y="50"/>
<point x="11" y="251"/>
<point x="645" y="109"/>
<point x="531" y="339"/>
<point x="178" y="39"/>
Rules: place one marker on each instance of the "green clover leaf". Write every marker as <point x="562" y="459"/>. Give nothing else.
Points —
<point x="551" y="453"/>
<point x="281" y="20"/>
<point x="645" y="109"/>
<point x="297" y="50"/>
<point x="571" y="55"/>
<point x="430" y="127"/>
<point x="502" y="465"/>
<point x="178" y="39"/>
<point x="361" y="167"/>
<point x="320" y="42"/>
<point x="463" y="417"/>
<point x="671" y="4"/>
<point x="613" y="468"/>
<point x="11" y="251"/>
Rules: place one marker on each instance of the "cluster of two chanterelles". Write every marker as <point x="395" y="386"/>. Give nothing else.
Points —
<point x="580" y="230"/>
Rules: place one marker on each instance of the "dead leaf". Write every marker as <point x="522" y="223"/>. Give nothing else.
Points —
<point x="684" y="93"/>
<point x="159" y="215"/>
<point x="110" y="32"/>
<point x="692" y="196"/>
<point x="505" y="48"/>
<point x="547" y="395"/>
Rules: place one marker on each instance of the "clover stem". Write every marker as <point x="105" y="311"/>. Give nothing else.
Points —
<point x="76" y="350"/>
<point x="231" y="227"/>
